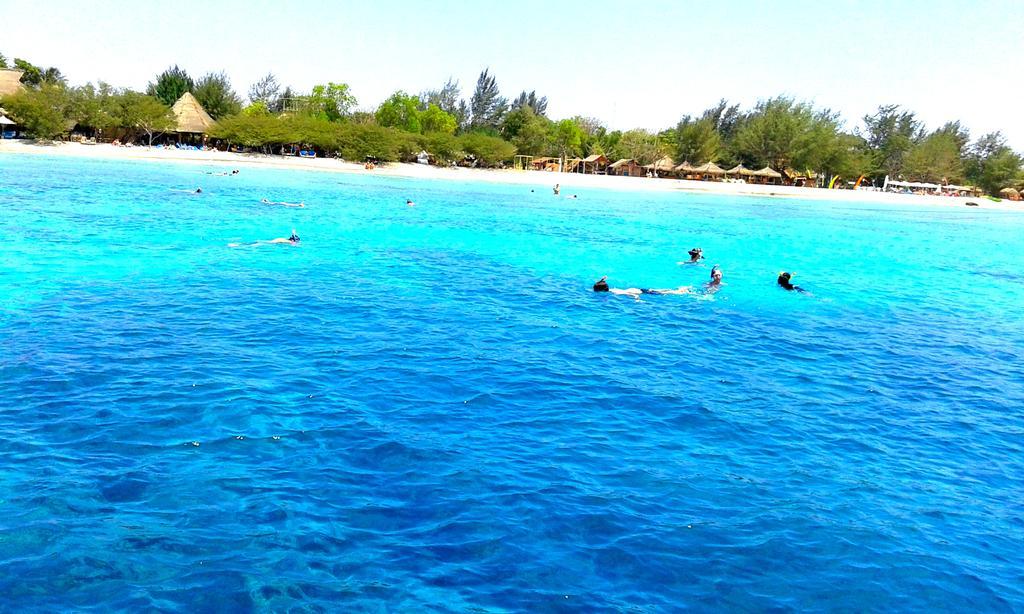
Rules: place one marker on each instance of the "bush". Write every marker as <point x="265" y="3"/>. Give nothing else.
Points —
<point x="490" y="151"/>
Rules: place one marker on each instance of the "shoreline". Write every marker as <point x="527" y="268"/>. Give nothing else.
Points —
<point x="106" y="151"/>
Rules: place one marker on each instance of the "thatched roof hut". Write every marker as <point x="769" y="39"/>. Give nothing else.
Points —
<point x="708" y="169"/>
<point x="190" y="116"/>
<point x="685" y="167"/>
<point x="740" y="170"/>
<point x="10" y="81"/>
<point x="1009" y="194"/>
<point x="665" y="165"/>
<point x="768" y="173"/>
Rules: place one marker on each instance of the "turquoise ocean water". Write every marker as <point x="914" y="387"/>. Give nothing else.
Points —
<point x="426" y="408"/>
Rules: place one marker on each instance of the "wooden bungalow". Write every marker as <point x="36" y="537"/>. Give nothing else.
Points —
<point x="768" y="175"/>
<point x="190" y="117"/>
<point x="626" y="167"/>
<point x="545" y="164"/>
<point x="595" y="164"/>
<point x="573" y="165"/>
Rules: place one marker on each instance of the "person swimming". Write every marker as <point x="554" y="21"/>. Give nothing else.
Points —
<point x="199" y="190"/>
<point x="293" y="239"/>
<point x="715" y="283"/>
<point x="282" y="203"/>
<point x="409" y="202"/>
<point x="784" y="281"/>
<point x="601" y="285"/>
<point x="696" y="254"/>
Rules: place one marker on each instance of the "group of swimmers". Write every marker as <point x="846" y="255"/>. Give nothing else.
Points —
<point x="710" y="287"/>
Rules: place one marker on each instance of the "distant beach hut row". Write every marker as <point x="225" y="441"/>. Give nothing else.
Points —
<point x="10" y="83"/>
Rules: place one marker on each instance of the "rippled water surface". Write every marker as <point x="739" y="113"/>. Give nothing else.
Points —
<point x="426" y="408"/>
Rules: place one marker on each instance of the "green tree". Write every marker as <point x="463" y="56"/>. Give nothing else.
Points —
<point x="265" y="91"/>
<point x="487" y="106"/>
<point x="935" y="159"/>
<point x="256" y="109"/>
<point x="529" y="132"/>
<point x="444" y="146"/>
<point x="142" y="113"/>
<point x="488" y="150"/>
<point x="170" y="85"/>
<point x="93" y="107"/>
<point x="331" y="101"/>
<point x="286" y="98"/>
<point x="640" y="145"/>
<point x="43" y="112"/>
<point x="3" y="61"/>
<point x="991" y="164"/>
<point x="434" y="119"/>
<point x="214" y="92"/>
<point x="697" y="140"/>
<point x="400" y="111"/>
<point x="566" y="138"/>
<point x="31" y="75"/>
<point x="447" y="98"/>
<point x="890" y="134"/>
<point x="539" y="105"/>
<point x="775" y="133"/>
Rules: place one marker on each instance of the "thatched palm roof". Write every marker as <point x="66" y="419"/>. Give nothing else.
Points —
<point x="709" y="169"/>
<point x="665" y="164"/>
<point x="10" y="81"/>
<point x="190" y="116"/>
<point x="1009" y="192"/>
<point x="596" y="158"/>
<point x="684" y="167"/>
<point x="768" y="172"/>
<point x="739" y="169"/>
<point x="622" y="162"/>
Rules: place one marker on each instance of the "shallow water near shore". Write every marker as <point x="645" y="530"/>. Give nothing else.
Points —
<point x="427" y="408"/>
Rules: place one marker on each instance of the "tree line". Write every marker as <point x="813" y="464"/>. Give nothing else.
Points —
<point x="491" y="128"/>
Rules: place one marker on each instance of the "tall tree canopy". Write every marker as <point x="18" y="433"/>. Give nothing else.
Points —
<point x="890" y="134"/>
<point x="265" y="90"/>
<point x="400" y="111"/>
<point x="331" y="101"/>
<point x="539" y="105"/>
<point x="487" y="106"/>
<point x="214" y="92"/>
<point x="170" y="85"/>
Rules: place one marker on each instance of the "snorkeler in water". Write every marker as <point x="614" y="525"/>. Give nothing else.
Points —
<point x="291" y="240"/>
<point x="602" y="286"/>
<point x="696" y="254"/>
<point x="715" y="283"/>
<point x="282" y="203"/>
<point x="786" y="284"/>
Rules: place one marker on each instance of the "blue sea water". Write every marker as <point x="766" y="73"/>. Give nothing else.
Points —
<point x="427" y="409"/>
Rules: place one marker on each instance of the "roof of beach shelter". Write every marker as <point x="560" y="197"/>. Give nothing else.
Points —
<point x="5" y="121"/>
<point x="685" y="166"/>
<point x="10" y="81"/>
<point x="664" y="164"/>
<point x="739" y="169"/>
<point x="595" y="158"/>
<point x="190" y="115"/>
<point x="622" y="162"/>
<point x="768" y="172"/>
<point x="709" y="168"/>
<point x="1009" y="191"/>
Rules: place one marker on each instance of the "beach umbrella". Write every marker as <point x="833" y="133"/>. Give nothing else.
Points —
<point x="741" y="170"/>
<point x="768" y="172"/>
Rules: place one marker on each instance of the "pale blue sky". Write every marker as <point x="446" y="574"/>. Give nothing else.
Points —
<point x="630" y="64"/>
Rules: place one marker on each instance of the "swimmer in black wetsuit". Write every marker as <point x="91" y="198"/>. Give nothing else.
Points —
<point x="291" y="240"/>
<point x="784" y="282"/>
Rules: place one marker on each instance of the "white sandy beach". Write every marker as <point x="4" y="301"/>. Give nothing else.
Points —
<point x="532" y="178"/>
